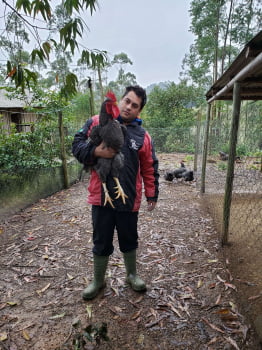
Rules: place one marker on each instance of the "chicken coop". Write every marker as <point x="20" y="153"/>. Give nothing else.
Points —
<point x="229" y="165"/>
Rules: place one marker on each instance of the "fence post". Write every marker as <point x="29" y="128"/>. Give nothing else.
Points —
<point x="231" y="161"/>
<point x="197" y="140"/>
<point x="204" y="160"/>
<point x="62" y="147"/>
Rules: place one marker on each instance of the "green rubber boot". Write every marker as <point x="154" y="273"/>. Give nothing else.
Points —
<point x="100" y="265"/>
<point x="135" y="282"/>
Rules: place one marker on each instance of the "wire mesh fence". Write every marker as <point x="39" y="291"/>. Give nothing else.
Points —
<point x="245" y="219"/>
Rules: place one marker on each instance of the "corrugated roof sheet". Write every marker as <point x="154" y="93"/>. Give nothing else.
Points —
<point x="251" y="83"/>
<point x="5" y="101"/>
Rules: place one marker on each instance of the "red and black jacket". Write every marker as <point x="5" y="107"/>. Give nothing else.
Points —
<point x="141" y="166"/>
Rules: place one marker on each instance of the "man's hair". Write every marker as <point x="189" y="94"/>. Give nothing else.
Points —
<point x="139" y="91"/>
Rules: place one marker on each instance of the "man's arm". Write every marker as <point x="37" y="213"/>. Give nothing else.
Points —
<point x="85" y="150"/>
<point x="82" y="147"/>
<point x="149" y="171"/>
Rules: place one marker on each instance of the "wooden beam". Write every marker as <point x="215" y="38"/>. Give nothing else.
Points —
<point x="239" y="77"/>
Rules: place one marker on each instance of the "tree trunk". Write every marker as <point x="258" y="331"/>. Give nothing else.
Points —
<point x="100" y="84"/>
<point x="225" y="39"/>
<point x="92" y="109"/>
<point x="63" y="151"/>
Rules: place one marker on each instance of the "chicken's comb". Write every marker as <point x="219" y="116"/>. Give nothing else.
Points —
<point x="111" y="96"/>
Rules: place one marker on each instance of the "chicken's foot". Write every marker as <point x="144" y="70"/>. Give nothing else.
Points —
<point x="107" y="196"/>
<point x="119" y="191"/>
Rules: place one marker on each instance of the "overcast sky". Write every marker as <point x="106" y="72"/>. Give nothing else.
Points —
<point x="154" y="34"/>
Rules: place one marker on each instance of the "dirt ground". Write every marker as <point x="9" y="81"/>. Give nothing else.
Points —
<point x="192" y="301"/>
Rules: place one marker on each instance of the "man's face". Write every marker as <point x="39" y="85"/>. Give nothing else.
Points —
<point x="130" y="106"/>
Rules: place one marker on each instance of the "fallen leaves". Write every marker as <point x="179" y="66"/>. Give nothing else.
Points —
<point x="40" y="291"/>
<point x="188" y="284"/>
<point x="3" y="336"/>
<point x="57" y="316"/>
<point x="25" y="335"/>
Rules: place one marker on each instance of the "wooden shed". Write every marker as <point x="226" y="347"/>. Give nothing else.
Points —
<point x="13" y="111"/>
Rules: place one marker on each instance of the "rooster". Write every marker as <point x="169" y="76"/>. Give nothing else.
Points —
<point x="111" y="133"/>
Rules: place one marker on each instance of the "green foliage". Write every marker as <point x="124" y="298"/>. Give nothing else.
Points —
<point x="71" y="29"/>
<point x="222" y="166"/>
<point x="23" y="151"/>
<point x="220" y="30"/>
<point x="170" y="117"/>
<point x="189" y="158"/>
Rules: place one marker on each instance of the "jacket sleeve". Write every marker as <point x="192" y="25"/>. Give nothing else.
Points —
<point x="82" y="146"/>
<point x="149" y="169"/>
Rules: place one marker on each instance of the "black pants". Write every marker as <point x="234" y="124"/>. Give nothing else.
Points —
<point x="105" y="220"/>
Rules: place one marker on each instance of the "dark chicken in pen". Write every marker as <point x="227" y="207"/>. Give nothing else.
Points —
<point x="180" y="173"/>
<point x="111" y="133"/>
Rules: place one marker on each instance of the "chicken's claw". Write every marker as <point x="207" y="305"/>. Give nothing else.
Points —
<point x="108" y="199"/>
<point x="119" y="191"/>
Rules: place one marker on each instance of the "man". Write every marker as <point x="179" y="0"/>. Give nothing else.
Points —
<point x="141" y="165"/>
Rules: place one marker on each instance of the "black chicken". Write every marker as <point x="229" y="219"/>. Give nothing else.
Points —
<point x="223" y="155"/>
<point x="180" y="173"/>
<point x="111" y="133"/>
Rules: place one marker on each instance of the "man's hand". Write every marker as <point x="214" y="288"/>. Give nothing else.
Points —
<point x="104" y="152"/>
<point x="151" y="205"/>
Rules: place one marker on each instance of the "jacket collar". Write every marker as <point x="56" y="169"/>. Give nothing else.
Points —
<point x="137" y="121"/>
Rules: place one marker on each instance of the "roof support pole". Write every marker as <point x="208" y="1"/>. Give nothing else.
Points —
<point x="204" y="160"/>
<point x="231" y="161"/>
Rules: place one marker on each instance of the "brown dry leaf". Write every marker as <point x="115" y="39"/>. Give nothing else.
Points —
<point x="136" y="315"/>
<point x="39" y="292"/>
<point x="3" y="336"/>
<point x="199" y="283"/>
<point x="89" y="310"/>
<point x="213" y="340"/>
<point x="212" y="326"/>
<point x="232" y="342"/>
<point x="221" y="279"/>
<point x="12" y="303"/>
<point x="226" y="315"/>
<point x="116" y="309"/>
<point x="140" y="339"/>
<point x="115" y="290"/>
<point x="254" y="297"/>
<point x="57" y="316"/>
<point x="229" y="285"/>
<point x="139" y="299"/>
<point x="174" y="310"/>
<point x="25" y="335"/>
<point x="218" y="300"/>
<point x="70" y="277"/>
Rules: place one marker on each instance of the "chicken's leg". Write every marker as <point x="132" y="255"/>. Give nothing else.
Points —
<point x="107" y="196"/>
<point x="119" y="191"/>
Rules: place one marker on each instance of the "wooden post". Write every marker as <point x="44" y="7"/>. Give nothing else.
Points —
<point x="197" y="139"/>
<point x="92" y="108"/>
<point x="62" y="146"/>
<point x="231" y="162"/>
<point x="204" y="159"/>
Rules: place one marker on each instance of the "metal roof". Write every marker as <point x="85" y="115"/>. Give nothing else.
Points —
<point x="245" y="69"/>
<point x="6" y="102"/>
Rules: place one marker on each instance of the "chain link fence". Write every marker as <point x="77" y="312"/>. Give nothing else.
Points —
<point x="245" y="220"/>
